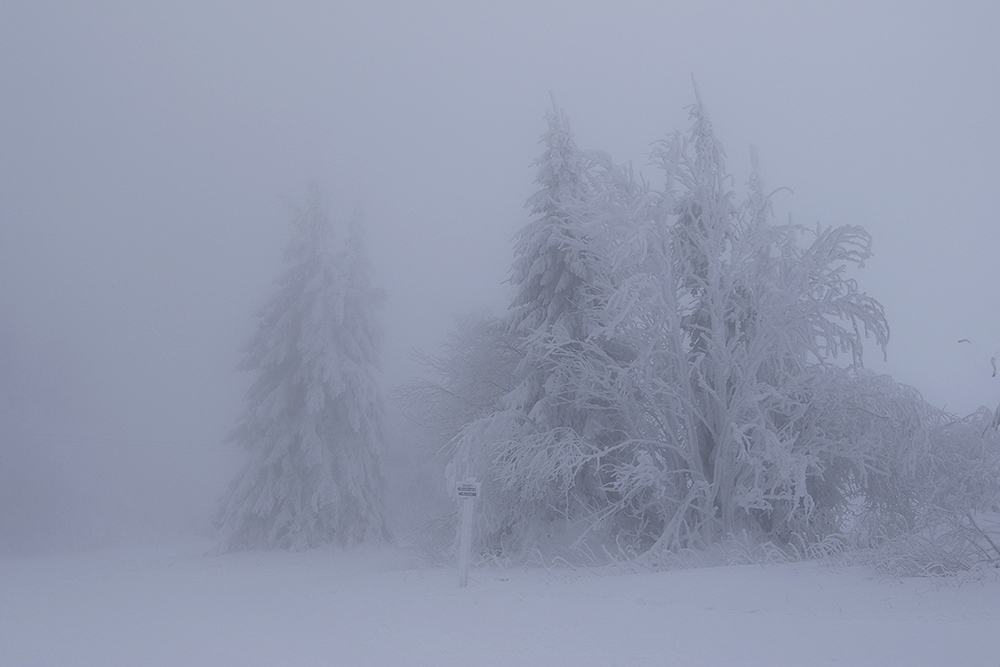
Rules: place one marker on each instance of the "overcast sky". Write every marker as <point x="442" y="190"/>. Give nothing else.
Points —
<point x="144" y="148"/>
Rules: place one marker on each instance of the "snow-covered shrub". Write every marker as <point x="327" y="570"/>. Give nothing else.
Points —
<point x="945" y="517"/>
<point x="475" y="368"/>
<point x="467" y="379"/>
<point x="958" y="497"/>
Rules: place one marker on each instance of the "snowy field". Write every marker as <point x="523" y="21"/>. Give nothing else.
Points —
<point x="179" y="605"/>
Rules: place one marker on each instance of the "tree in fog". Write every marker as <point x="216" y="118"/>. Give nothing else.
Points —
<point x="759" y="319"/>
<point x="545" y="450"/>
<point x="311" y="421"/>
<point x="682" y="377"/>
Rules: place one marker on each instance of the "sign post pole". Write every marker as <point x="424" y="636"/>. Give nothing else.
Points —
<point x="467" y="492"/>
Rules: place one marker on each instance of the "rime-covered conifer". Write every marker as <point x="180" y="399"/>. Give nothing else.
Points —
<point x="311" y="422"/>
<point x="540" y="452"/>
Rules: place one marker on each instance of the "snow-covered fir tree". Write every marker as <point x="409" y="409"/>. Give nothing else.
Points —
<point x="551" y="269"/>
<point x="311" y="422"/>
<point x="543" y="451"/>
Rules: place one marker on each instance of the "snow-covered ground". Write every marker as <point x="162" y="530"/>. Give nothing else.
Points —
<point x="179" y="605"/>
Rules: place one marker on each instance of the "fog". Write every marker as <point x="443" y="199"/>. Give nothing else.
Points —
<point x="145" y="151"/>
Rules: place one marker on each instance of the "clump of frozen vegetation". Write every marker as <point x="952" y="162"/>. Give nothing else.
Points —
<point x="956" y="502"/>
<point x="311" y="423"/>
<point x="677" y="368"/>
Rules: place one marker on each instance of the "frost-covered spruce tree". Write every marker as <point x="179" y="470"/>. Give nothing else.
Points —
<point x="540" y="452"/>
<point x="551" y="271"/>
<point x="311" y="422"/>
<point x="555" y="262"/>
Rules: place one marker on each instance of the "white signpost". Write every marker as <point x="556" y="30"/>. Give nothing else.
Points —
<point x="468" y="491"/>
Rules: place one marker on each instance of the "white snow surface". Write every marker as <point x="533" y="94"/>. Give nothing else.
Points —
<point x="182" y="605"/>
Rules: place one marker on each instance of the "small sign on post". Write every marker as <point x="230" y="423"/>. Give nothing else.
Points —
<point x="468" y="491"/>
